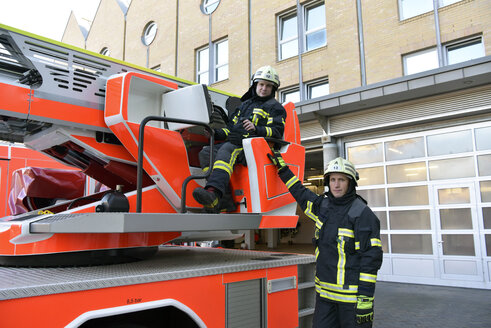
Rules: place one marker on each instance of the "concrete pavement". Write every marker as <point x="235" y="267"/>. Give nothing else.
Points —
<point x="410" y="305"/>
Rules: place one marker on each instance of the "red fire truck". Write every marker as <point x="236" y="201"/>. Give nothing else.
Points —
<point x="107" y="259"/>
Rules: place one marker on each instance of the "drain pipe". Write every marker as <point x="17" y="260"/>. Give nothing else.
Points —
<point x="250" y="38"/>
<point x="437" y="32"/>
<point x="300" y="50"/>
<point x="176" y="59"/>
<point x="361" y="42"/>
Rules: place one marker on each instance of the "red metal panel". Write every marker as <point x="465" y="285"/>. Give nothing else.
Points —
<point x="14" y="99"/>
<point x="67" y="114"/>
<point x="273" y="221"/>
<point x="203" y="295"/>
<point x="283" y="305"/>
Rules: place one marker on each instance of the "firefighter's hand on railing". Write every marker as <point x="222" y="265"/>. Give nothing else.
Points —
<point x="277" y="160"/>
<point x="364" y="309"/>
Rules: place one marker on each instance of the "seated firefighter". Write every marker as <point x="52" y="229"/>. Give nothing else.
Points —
<point x="259" y="115"/>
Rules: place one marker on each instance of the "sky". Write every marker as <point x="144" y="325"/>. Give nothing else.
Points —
<point x="47" y="18"/>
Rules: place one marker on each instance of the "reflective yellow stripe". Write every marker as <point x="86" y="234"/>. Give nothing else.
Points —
<point x="316" y="252"/>
<point x="206" y="169"/>
<point x="341" y="262"/>
<point x="236" y="117"/>
<point x="214" y="204"/>
<point x="357" y="245"/>
<point x="228" y="167"/>
<point x="335" y="296"/>
<point x="368" y="277"/>
<point x="310" y="214"/>
<point x="221" y="165"/>
<point x="349" y="289"/>
<point x="346" y="232"/>
<point x="227" y="131"/>
<point x="261" y="112"/>
<point x="270" y="121"/>
<point x="291" y="182"/>
<point x="375" y="242"/>
<point x="258" y="113"/>
<point x="234" y="155"/>
<point x="269" y="131"/>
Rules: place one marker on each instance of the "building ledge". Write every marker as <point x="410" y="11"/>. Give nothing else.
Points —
<point x="446" y="79"/>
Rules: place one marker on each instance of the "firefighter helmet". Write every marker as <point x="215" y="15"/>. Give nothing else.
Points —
<point x="341" y="165"/>
<point x="267" y="73"/>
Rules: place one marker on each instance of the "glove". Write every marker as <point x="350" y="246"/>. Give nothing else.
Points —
<point x="364" y="309"/>
<point x="235" y="137"/>
<point x="277" y="160"/>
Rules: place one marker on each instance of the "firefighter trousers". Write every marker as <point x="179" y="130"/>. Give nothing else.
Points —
<point x="330" y="314"/>
<point x="227" y="155"/>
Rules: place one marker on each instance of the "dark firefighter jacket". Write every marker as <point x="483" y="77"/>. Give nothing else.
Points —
<point x="347" y="237"/>
<point x="267" y="114"/>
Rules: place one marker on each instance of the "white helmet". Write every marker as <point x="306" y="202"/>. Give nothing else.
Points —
<point x="341" y="165"/>
<point x="267" y="73"/>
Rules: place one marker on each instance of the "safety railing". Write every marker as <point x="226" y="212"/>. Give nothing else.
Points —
<point x="140" y="158"/>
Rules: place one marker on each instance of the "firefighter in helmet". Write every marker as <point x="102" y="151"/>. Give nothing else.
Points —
<point x="347" y="244"/>
<point x="259" y="115"/>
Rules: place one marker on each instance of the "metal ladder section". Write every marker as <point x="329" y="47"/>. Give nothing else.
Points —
<point x="306" y="294"/>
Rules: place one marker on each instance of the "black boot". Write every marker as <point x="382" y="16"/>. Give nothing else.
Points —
<point x="206" y="197"/>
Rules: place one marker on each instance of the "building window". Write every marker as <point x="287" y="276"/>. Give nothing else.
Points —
<point x="105" y="51"/>
<point x="444" y="3"/>
<point x="315" y="27"/>
<point x="420" y="61"/>
<point x="288" y="37"/>
<point x="202" y="66"/>
<point x="411" y="8"/>
<point x="209" y="6"/>
<point x="454" y="53"/>
<point x="314" y="90"/>
<point x="220" y="63"/>
<point x="149" y="33"/>
<point x="291" y="95"/>
<point x="463" y="51"/>
<point x="317" y="89"/>
<point x="313" y="30"/>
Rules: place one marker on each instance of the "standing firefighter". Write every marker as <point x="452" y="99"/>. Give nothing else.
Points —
<point x="348" y="248"/>
<point x="259" y="115"/>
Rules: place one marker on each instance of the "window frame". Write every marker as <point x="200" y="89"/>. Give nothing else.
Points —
<point x="209" y="6"/>
<point x="216" y="64"/>
<point x="441" y="4"/>
<point x="281" y="19"/>
<point x="304" y="32"/>
<point x="446" y="48"/>
<point x="308" y="87"/>
<point x="412" y="54"/>
<point x="216" y="60"/>
<point x="462" y="44"/>
<point x="199" y="72"/>
<point x="285" y="92"/>
<point x="105" y="51"/>
<point x="145" y="34"/>
<point x="317" y="83"/>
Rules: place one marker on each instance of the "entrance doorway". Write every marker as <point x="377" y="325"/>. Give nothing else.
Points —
<point x="457" y="232"/>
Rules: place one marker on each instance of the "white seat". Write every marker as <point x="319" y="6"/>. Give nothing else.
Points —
<point x="189" y="103"/>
